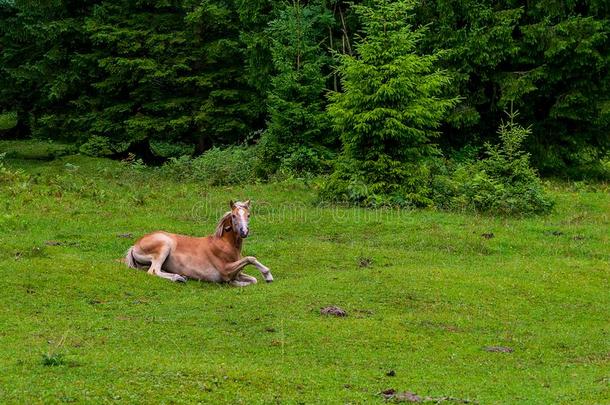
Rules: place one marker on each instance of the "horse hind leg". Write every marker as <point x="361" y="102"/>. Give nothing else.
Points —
<point x="156" y="261"/>
<point x="157" y="264"/>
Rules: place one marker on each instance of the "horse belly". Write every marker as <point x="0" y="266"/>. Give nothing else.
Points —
<point x="186" y="266"/>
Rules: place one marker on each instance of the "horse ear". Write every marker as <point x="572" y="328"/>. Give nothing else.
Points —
<point x="231" y="204"/>
<point x="248" y="203"/>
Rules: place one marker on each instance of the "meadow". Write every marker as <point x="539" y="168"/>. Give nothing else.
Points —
<point x="452" y="306"/>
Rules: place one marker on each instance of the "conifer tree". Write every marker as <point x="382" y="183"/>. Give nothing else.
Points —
<point x="44" y="66"/>
<point x="297" y="121"/>
<point x="296" y="111"/>
<point x="389" y="111"/>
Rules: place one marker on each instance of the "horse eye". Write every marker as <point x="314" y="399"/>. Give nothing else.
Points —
<point x="233" y="215"/>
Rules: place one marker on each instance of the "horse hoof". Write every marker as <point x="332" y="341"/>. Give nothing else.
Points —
<point x="269" y="281"/>
<point x="179" y="279"/>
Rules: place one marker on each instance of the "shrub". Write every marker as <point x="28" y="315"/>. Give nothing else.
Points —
<point x="97" y="146"/>
<point x="503" y="182"/>
<point x="171" y="149"/>
<point x="383" y="182"/>
<point x="217" y="166"/>
<point x="8" y="120"/>
<point x="306" y="161"/>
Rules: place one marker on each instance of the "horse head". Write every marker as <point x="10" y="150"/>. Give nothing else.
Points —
<point x="240" y="217"/>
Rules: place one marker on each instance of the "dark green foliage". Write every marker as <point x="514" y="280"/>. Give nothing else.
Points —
<point x="141" y="55"/>
<point x="307" y="161"/>
<point x="388" y="113"/>
<point x="550" y="58"/>
<point x="129" y="72"/>
<point x="43" y="64"/>
<point x="230" y="106"/>
<point x="503" y="182"/>
<point x="295" y="100"/>
<point x="8" y="120"/>
<point x="168" y="78"/>
<point x="570" y="98"/>
<point x="97" y="146"/>
<point x="169" y="73"/>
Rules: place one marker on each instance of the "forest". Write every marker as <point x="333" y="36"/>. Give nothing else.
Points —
<point x="424" y="103"/>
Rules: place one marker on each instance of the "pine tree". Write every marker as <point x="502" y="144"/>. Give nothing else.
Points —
<point x="43" y="64"/>
<point x="230" y="107"/>
<point x="297" y="119"/>
<point x="389" y="111"/>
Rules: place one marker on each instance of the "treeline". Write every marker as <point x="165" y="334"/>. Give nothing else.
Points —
<point x="167" y="78"/>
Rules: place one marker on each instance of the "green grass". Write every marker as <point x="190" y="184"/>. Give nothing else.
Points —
<point x="424" y="291"/>
<point x="34" y="149"/>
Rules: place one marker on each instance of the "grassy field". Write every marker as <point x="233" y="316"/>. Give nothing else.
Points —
<point x="426" y="293"/>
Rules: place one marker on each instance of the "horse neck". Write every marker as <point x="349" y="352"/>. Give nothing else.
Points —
<point x="232" y="237"/>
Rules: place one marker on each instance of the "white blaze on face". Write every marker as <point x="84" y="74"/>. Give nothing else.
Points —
<point x="243" y="221"/>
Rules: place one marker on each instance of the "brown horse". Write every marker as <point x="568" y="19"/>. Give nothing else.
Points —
<point x="216" y="258"/>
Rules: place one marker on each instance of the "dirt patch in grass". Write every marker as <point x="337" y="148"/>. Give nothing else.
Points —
<point x="333" y="311"/>
<point x="408" y="396"/>
<point x="498" y="349"/>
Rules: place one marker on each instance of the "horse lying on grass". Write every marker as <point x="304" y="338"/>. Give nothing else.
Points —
<point x="216" y="258"/>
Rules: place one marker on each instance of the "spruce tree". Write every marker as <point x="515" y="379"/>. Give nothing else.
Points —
<point x="388" y="113"/>
<point x="297" y="121"/>
<point x="44" y="66"/>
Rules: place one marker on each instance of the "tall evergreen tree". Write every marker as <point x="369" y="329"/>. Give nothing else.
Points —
<point x="230" y="106"/>
<point x="296" y="97"/>
<point x="142" y="53"/>
<point x="389" y="111"/>
<point x="43" y="63"/>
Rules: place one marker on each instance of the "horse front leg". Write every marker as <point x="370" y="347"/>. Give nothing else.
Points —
<point x="264" y="270"/>
<point x="243" y="280"/>
<point x="232" y="269"/>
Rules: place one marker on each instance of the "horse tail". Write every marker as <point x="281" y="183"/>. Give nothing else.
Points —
<point x="130" y="260"/>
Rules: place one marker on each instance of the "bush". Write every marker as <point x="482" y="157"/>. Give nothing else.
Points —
<point x="171" y="149"/>
<point x="8" y="120"/>
<point x="306" y="161"/>
<point x="398" y="184"/>
<point x="217" y="166"/>
<point x="504" y="182"/>
<point x="97" y="146"/>
<point x="9" y="176"/>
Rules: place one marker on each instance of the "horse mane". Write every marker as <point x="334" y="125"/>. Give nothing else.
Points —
<point x="220" y="228"/>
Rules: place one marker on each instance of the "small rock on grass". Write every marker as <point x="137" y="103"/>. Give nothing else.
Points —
<point x="125" y="235"/>
<point x="334" y="311"/>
